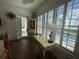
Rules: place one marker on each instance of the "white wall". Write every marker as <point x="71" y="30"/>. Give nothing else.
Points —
<point x="9" y="25"/>
<point x="16" y="10"/>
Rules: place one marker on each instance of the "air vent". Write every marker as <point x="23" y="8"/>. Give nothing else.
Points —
<point x="27" y="1"/>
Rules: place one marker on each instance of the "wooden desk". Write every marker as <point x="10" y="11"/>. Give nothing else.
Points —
<point x="43" y="41"/>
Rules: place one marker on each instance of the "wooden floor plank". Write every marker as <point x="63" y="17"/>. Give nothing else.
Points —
<point x="25" y="49"/>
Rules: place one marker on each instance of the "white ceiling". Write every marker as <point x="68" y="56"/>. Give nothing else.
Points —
<point x="20" y="4"/>
<point x="19" y="7"/>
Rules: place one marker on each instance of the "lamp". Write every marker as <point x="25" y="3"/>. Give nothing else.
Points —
<point x="52" y="28"/>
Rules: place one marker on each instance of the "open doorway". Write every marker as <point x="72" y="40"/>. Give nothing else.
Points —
<point x="24" y="26"/>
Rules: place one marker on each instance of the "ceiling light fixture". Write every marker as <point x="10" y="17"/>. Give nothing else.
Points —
<point x="27" y="1"/>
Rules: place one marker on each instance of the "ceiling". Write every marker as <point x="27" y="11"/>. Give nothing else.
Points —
<point x="19" y="7"/>
<point x="29" y="4"/>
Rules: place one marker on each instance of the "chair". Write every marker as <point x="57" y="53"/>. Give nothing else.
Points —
<point x="49" y="55"/>
<point x="5" y="38"/>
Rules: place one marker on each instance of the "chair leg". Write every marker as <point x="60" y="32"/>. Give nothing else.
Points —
<point x="8" y="56"/>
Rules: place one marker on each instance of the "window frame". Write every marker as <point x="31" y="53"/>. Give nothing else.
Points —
<point x="69" y="25"/>
<point x="63" y="24"/>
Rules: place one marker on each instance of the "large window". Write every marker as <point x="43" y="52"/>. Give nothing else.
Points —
<point x="71" y="25"/>
<point x="39" y="25"/>
<point x="45" y="25"/>
<point x="44" y="22"/>
<point x="67" y="24"/>
<point x="59" y="18"/>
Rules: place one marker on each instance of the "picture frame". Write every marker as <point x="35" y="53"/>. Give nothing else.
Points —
<point x="32" y="24"/>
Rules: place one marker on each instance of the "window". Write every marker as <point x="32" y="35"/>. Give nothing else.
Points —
<point x="59" y="18"/>
<point x="39" y="25"/>
<point x="71" y="25"/>
<point x="76" y="1"/>
<point x="45" y="24"/>
<point x="49" y="22"/>
<point x="66" y="33"/>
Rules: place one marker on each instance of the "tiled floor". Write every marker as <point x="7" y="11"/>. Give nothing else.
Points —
<point x="26" y="49"/>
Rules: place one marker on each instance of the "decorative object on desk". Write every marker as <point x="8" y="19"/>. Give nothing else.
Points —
<point x="52" y="28"/>
<point x="0" y="22"/>
<point x="50" y="35"/>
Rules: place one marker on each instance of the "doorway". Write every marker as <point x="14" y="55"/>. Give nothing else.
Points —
<point x="24" y="26"/>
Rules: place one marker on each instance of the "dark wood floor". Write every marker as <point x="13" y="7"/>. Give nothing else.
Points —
<point x="26" y="49"/>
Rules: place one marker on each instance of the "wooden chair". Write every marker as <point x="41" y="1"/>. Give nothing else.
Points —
<point x="5" y="38"/>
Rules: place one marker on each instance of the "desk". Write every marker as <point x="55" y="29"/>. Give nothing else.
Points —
<point x="43" y="41"/>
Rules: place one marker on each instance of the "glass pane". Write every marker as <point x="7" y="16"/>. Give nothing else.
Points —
<point x="45" y="24"/>
<point x="70" y="48"/>
<point x="45" y="19"/>
<point x="64" y="44"/>
<point x="40" y="21"/>
<point x="70" y="3"/>
<point x="74" y="29"/>
<point x="71" y="26"/>
<point x="50" y="17"/>
<point x="40" y="30"/>
<point x="76" y="1"/>
<point x="59" y="18"/>
<point x="49" y="22"/>
<point x="44" y="32"/>
<point x="39" y="25"/>
<point x="75" y="15"/>
<point x="57" y="38"/>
